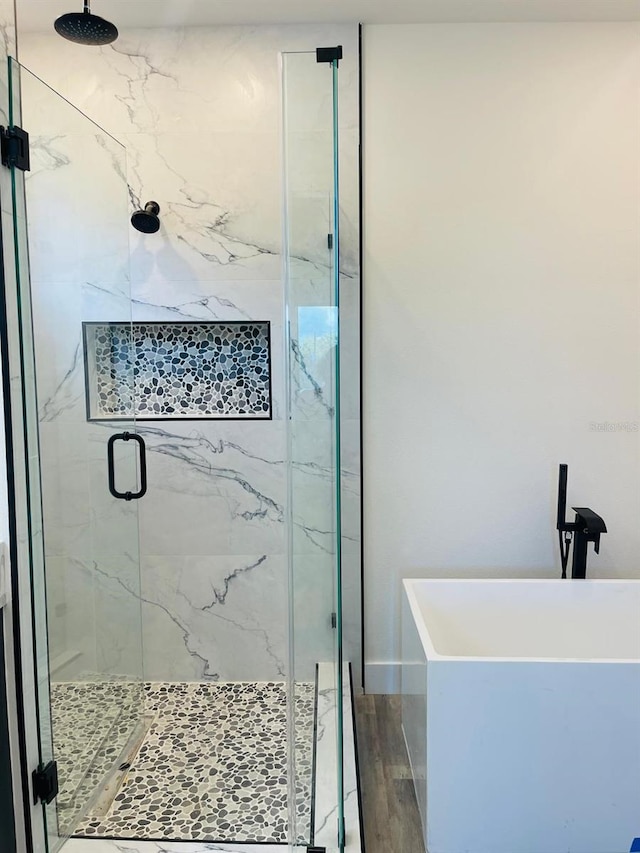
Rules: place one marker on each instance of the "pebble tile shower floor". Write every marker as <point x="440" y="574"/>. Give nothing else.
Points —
<point x="213" y="767"/>
<point x="93" y="723"/>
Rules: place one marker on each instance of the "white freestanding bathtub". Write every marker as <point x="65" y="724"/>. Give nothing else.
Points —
<point x="521" y="713"/>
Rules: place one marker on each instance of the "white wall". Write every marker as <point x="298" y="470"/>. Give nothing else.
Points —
<point x="502" y="259"/>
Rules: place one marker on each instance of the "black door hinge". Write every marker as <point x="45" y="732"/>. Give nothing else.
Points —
<point x="330" y="241"/>
<point x="334" y="620"/>
<point x="329" y="54"/>
<point x="316" y="850"/>
<point x="15" y="148"/>
<point x="45" y="783"/>
<point x="341" y="834"/>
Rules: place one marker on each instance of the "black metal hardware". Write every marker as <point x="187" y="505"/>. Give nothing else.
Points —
<point x="330" y="241"/>
<point x="562" y="527"/>
<point x="45" y="783"/>
<point x="334" y="620"/>
<point x="316" y="850"/>
<point x="7" y="817"/>
<point x="127" y="496"/>
<point x="147" y="221"/>
<point x="562" y="496"/>
<point x="341" y="834"/>
<point x="329" y="54"/>
<point x="587" y="527"/>
<point x="15" y="148"/>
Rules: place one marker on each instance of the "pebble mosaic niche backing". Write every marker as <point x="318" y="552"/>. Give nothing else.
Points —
<point x="180" y="370"/>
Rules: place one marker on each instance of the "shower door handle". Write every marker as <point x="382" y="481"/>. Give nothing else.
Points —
<point x="127" y="496"/>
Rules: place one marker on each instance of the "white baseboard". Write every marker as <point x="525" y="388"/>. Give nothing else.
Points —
<point x="382" y="677"/>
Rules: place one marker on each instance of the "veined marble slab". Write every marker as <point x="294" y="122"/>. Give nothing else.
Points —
<point x="326" y="803"/>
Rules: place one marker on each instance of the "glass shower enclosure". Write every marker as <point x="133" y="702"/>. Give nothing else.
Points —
<point x="83" y="543"/>
<point x="80" y="539"/>
<point x="312" y="322"/>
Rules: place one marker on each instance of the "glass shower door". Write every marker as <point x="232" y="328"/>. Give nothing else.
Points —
<point x="313" y="420"/>
<point x="83" y="470"/>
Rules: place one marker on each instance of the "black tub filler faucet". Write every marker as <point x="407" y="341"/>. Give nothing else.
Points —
<point x="587" y="527"/>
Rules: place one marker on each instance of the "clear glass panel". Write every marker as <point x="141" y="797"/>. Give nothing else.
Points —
<point x="340" y="685"/>
<point x="72" y="250"/>
<point x="312" y="315"/>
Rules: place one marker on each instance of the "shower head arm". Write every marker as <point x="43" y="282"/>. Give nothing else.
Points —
<point x="87" y="7"/>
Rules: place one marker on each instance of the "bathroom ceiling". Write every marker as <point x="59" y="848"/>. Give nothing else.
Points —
<point x="39" y="14"/>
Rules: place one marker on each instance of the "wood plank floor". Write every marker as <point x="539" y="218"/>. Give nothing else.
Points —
<point x="390" y="812"/>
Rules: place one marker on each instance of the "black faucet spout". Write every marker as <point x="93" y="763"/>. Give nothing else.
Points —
<point x="592" y="523"/>
<point x="587" y="528"/>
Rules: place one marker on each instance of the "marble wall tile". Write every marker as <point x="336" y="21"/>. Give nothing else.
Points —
<point x="118" y="615"/>
<point x="211" y="226"/>
<point x="149" y="80"/>
<point x="94" y="618"/>
<point x="7" y="28"/>
<point x="7" y="48"/>
<point x="77" y="185"/>
<point x="326" y="811"/>
<point x="313" y="592"/>
<point x="215" y="617"/>
<point x="214" y="488"/>
<point x="65" y="489"/>
<point x="206" y="299"/>
<point x="8" y="43"/>
<point x="71" y="623"/>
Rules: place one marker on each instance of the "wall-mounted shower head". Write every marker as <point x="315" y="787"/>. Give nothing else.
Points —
<point x="85" y="28"/>
<point x="147" y="220"/>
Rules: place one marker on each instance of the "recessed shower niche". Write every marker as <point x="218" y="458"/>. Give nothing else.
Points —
<point x="192" y="370"/>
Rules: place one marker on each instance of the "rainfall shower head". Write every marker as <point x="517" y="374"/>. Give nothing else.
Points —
<point x="147" y="220"/>
<point x="85" y="28"/>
